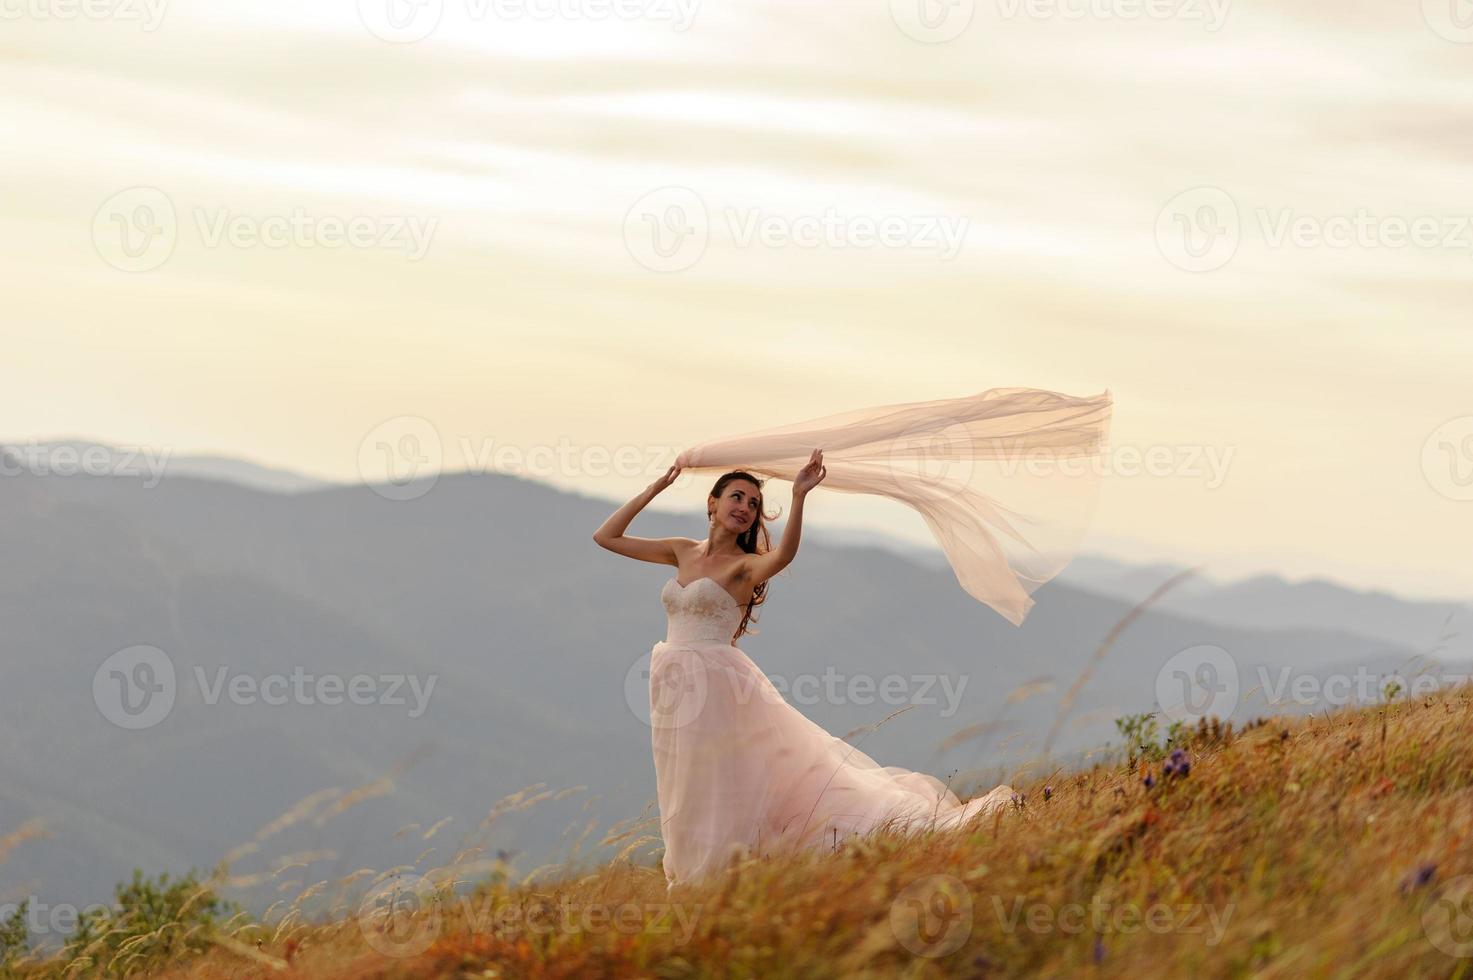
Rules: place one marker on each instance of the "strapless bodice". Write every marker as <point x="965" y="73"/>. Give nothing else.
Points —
<point x="702" y="610"/>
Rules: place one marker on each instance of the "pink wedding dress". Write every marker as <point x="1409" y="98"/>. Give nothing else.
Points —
<point x="741" y="772"/>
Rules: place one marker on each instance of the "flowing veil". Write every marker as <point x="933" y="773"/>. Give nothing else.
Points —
<point x="1006" y="479"/>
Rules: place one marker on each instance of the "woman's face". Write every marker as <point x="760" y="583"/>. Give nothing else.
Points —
<point x="738" y="505"/>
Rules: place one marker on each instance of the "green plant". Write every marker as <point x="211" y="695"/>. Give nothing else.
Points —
<point x="15" y="938"/>
<point x="151" y="920"/>
<point x="1140" y="733"/>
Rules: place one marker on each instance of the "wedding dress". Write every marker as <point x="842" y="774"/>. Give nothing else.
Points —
<point x="740" y="772"/>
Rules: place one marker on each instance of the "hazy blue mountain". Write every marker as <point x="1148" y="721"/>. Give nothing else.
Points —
<point x="82" y="456"/>
<point x="1132" y="582"/>
<point x="1440" y="628"/>
<point x="1436" y="627"/>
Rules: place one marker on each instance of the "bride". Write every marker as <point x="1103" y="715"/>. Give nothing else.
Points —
<point x="739" y="771"/>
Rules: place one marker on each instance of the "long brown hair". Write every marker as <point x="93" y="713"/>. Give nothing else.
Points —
<point x="754" y="541"/>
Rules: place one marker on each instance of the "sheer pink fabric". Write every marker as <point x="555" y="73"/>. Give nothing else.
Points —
<point x="1007" y="479"/>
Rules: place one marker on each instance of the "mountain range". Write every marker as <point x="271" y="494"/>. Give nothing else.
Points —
<point x="524" y="641"/>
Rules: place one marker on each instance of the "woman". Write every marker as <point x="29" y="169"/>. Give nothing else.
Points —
<point x="738" y="770"/>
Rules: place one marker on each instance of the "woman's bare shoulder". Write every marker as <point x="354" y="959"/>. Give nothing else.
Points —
<point x="683" y="546"/>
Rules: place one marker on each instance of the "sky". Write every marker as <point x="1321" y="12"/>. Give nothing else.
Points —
<point x="540" y="236"/>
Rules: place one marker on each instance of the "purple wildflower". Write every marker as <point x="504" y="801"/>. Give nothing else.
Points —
<point x="1099" y="949"/>
<point x="1149" y="780"/>
<point x="1418" y="877"/>
<point x="1178" y="764"/>
<point x="1047" y="792"/>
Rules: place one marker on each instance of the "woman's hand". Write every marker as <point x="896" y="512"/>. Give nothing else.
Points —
<point x="811" y="475"/>
<point x="665" y="481"/>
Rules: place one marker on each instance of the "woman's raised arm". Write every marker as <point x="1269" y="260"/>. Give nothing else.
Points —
<point x="611" y="534"/>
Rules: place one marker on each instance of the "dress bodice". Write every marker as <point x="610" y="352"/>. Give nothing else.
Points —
<point x="702" y="610"/>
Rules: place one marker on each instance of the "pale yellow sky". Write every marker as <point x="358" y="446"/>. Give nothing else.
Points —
<point x="1249" y="220"/>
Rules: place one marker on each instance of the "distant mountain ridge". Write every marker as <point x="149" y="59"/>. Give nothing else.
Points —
<point x="1271" y="602"/>
<point x="1098" y="573"/>
<point x="85" y="456"/>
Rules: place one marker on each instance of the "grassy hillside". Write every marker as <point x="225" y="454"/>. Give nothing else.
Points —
<point x="1325" y="846"/>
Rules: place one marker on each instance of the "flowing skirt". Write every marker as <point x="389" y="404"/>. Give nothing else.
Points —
<point x="740" y="772"/>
